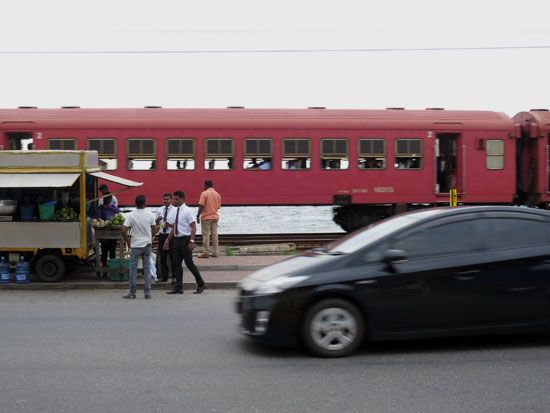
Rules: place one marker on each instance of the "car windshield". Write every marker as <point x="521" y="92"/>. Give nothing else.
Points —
<point x="357" y="240"/>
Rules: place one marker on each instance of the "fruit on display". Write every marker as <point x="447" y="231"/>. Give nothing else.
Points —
<point x="66" y="214"/>
<point x="115" y="222"/>
<point x="98" y="223"/>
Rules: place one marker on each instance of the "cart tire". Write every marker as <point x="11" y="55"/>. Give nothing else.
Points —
<point x="50" y="268"/>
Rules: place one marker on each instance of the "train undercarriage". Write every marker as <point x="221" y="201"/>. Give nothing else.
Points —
<point x="353" y="217"/>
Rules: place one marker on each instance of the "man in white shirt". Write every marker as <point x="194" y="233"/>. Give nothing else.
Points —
<point x="182" y="241"/>
<point x="164" y="231"/>
<point x="141" y="225"/>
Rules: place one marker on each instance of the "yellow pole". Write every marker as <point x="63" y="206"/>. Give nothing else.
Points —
<point x="453" y="198"/>
<point x="83" y="223"/>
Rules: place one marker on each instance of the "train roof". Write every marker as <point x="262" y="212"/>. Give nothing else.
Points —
<point x="241" y="118"/>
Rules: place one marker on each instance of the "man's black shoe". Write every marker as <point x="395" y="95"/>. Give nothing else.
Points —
<point x="174" y="292"/>
<point x="129" y="296"/>
<point x="147" y="296"/>
<point x="200" y="289"/>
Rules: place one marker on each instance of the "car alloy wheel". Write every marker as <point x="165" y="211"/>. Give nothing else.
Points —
<point x="333" y="328"/>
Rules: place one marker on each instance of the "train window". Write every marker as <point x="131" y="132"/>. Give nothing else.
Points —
<point x="371" y="154"/>
<point x="141" y="164"/>
<point x="180" y="154"/>
<point x="141" y="148"/>
<point x="106" y="149"/>
<point x="258" y="154"/>
<point x="494" y="154"/>
<point x="296" y="154"/>
<point x="66" y="144"/>
<point x="334" y="154"/>
<point x="408" y="153"/>
<point x="108" y="164"/>
<point x="141" y="154"/>
<point x="218" y="154"/>
<point x="180" y="164"/>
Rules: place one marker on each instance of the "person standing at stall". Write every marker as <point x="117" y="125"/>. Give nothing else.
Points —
<point x="104" y="191"/>
<point x="106" y="211"/>
<point x="141" y="225"/>
<point x="164" y="231"/>
<point x="182" y="240"/>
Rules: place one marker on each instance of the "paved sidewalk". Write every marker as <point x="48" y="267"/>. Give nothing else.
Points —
<point x="219" y="273"/>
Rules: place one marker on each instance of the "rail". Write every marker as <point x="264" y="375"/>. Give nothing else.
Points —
<point x="302" y="241"/>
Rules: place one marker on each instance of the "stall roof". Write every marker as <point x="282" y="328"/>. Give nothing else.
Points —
<point x="115" y="179"/>
<point x="35" y="180"/>
<point x="55" y="180"/>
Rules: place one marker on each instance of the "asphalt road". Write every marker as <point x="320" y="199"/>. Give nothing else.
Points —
<point x="93" y="351"/>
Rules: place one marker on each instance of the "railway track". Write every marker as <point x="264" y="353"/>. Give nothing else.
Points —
<point x="302" y="241"/>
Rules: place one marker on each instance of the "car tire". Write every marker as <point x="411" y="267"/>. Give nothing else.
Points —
<point x="50" y="268"/>
<point x="333" y="328"/>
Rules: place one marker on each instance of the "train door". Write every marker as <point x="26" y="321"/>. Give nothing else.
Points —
<point x="15" y="141"/>
<point x="446" y="160"/>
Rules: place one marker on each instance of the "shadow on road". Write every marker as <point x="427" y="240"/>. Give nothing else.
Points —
<point x="412" y="347"/>
<point x="264" y="350"/>
<point x="457" y="344"/>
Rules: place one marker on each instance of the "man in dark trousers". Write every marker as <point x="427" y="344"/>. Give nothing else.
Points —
<point x="164" y="231"/>
<point x="182" y="241"/>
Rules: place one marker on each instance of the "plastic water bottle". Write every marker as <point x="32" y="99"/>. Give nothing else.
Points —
<point x="22" y="271"/>
<point x="5" y="271"/>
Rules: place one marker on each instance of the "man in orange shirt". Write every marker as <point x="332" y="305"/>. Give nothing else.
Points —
<point x="209" y="204"/>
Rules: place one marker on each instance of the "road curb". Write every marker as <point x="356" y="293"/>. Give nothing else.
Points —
<point x="225" y="285"/>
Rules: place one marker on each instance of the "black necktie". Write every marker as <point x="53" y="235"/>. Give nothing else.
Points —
<point x="176" y="224"/>
<point x="164" y="220"/>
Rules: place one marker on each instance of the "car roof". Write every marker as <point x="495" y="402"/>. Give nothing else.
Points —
<point x="430" y="213"/>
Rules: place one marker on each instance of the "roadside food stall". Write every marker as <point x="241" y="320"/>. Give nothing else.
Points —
<point x="47" y="202"/>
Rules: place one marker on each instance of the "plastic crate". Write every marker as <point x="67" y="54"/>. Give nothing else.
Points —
<point x="114" y="264"/>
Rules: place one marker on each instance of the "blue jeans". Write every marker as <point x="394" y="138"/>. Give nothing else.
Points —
<point x="145" y="254"/>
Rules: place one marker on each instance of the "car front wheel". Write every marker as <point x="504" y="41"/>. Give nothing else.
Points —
<point x="333" y="328"/>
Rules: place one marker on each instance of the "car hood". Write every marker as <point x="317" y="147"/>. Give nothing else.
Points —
<point x="301" y="265"/>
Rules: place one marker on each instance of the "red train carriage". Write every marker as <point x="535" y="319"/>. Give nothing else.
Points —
<point x="370" y="162"/>
<point x="534" y="162"/>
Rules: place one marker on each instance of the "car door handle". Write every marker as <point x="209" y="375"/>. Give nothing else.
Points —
<point x="466" y="275"/>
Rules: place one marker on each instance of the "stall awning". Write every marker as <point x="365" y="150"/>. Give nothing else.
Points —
<point x="115" y="179"/>
<point x="37" y="180"/>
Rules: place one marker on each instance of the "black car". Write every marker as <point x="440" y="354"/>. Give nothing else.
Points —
<point x="436" y="272"/>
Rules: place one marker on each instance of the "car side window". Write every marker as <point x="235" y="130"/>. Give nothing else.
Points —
<point x="501" y="233"/>
<point x="445" y="239"/>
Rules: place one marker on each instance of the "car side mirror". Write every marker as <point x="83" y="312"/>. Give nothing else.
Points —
<point x="392" y="257"/>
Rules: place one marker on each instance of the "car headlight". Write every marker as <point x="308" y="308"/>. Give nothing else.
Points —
<point x="279" y="284"/>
